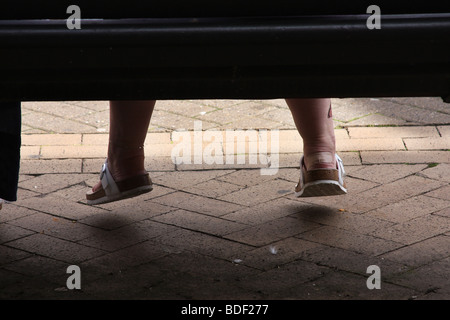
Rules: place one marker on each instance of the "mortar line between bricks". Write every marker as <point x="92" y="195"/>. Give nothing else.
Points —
<point x="222" y="237"/>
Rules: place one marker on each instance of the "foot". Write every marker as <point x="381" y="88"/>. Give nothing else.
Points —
<point x="324" y="177"/>
<point x="109" y="190"/>
<point x="124" y="161"/>
<point x="121" y="172"/>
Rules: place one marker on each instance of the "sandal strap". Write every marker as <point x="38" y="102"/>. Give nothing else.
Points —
<point x="107" y="180"/>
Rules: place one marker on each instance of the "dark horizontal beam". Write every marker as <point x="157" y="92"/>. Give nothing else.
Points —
<point x="259" y="57"/>
<point x="113" y="9"/>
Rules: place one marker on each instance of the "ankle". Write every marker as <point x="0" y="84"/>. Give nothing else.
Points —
<point x="125" y="163"/>
<point x="320" y="160"/>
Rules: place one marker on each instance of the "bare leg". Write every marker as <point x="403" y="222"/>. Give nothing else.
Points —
<point x="314" y="122"/>
<point x="129" y="121"/>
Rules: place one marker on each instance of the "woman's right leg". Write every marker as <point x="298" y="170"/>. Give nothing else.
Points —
<point x="129" y="121"/>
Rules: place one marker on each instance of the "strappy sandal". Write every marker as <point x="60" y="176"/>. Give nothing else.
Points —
<point x="114" y="191"/>
<point x="321" y="182"/>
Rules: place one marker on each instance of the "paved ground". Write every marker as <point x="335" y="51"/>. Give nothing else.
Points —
<point x="228" y="231"/>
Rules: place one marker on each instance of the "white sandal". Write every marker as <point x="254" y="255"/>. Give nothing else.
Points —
<point x="321" y="182"/>
<point x="114" y="191"/>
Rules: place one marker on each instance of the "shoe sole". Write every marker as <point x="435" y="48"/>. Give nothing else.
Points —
<point x="321" y="188"/>
<point x="121" y="196"/>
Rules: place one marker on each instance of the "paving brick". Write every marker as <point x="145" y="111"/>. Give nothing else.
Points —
<point x="13" y="211"/>
<point x="96" y="105"/>
<point x="56" y="248"/>
<point x="248" y="108"/>
<point x="442" y="143"/>
<point x="441" y="193"/>
<point x="375" y="144"/>
<point x="52" y="124"/>
<point x="431" y="103"/>
<point x="271" y="231"/>
<point x="50" y="166"/>
<point x="376" y="119"/>
<point x="245" y="178"/>
<point x="439" y="172"/>
<point x="408" y="209"/>
<point x="120" y="261"/>
<point x="222" y="163"/>
<point x="444" y="130"/>
<point x="421" y="253"/>
<point x="30" y="152"/>
<point x="48" y="183"/>
<point x="251" y="122"/>
<point x="126" y="236"/>
<point x="54" y="226"/>
<point x="217" y="103"/>
<point x="96" y="119"/>
<point x="37" y="266"/>
<point x="413" y="114"/>
<point x="353" y="262"/>
<point x="355" y="186"/>
<point x="126" y="213"/>
<point x="51" y="139"/>
<point x="25" y="194"/>
<point x="60" y="207"/>
<point x="280" y="115"/>
<point x="266" y="211"/>
<point x="259" y="193"/>
<point x="345" y="110"/>
<point x="183" y="107"/>
<point x="11" y="254"/>
<point x="350" y="240"/>
<point x="56" y="108"/>
<point x="64" y="152"/>
<point x="181" y="179"/>
<point x="444" y="213"/>
<point x="431" y="278"/>
<point x="415" y="230"/>
<point x="342" y="219"/>
<point x="199" y="222"/>
<point x="171" y="121"/>
<point x="197" y="203"/>
<point x="179" y="280"/>
<point x="75" y="193"/>
<point x="386" y="173"/>
<point x="158" y="150"/>
<point x="405" y="157"/>
<point x="276" y="282"/>
<point x="212" y="188"/>
<point x="10" y="232"/>
<point x="339" y="285"/>
<point x="204" y="244"/>
<point x="393" y="132"/>
<point x="289" y="160"/>
<point x="278" y="253"/>
<point x="96" y="139"/>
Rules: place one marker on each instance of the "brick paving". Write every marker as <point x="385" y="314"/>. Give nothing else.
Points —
<point x="225" y="230"/>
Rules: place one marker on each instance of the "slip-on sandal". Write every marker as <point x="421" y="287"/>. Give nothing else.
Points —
<point x="321" y="182"/>
<point x="114" y="191"/>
